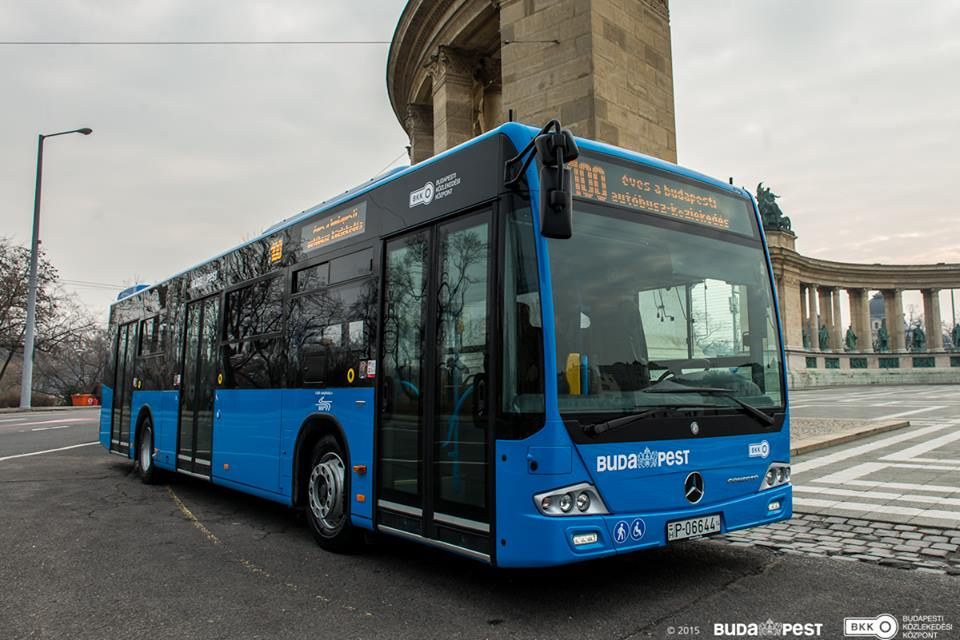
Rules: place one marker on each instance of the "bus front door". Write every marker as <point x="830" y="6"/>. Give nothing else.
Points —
<point x="434" y="424"/>
<point x="197" y="388"/>
<point x="123" y="386"/>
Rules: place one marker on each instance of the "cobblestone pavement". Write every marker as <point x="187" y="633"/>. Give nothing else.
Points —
<point x="892" y="498"/>
<point x="903" y="546"/>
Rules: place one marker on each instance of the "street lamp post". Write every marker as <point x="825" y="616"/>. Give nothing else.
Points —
<point x="26" y="381"/>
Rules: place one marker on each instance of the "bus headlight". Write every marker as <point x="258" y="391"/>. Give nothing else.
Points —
<point x="778" y="474"/>
<point x="583" y="501"/>
<point x="560" y="502"/>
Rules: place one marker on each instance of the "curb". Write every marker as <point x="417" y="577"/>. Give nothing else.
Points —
<point x="43" y="409"/>
<point x="850" y="436"/>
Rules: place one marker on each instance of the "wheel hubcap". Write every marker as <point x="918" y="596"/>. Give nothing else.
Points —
<point x="326" y="491"/>
<point x="145" y="458"/>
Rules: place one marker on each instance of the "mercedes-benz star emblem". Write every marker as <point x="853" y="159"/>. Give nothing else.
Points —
<point x="693" y="487"/>
<point x="694" y="428"/>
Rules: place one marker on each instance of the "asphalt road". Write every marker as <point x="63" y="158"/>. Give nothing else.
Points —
<point x="87" y="551"/>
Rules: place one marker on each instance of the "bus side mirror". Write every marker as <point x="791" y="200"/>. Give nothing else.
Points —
<point x="556" y="183"/>
<point x="556" y="203"/>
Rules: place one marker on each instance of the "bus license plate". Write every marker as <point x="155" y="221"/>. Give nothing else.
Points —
<point x="692" y="528"/>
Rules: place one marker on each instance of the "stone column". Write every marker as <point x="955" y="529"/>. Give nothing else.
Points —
<point x="453" y="110"/>
<point x="893" y="307"/>
<point x="790" y="314"/>
<point x="826" y="317"/>
<point x="419" y="126"/>
<point x="813" y="330"/>
<point x="836" y="330"/>
<point x="860" y="319"/>
<point x="804" y="310"/>
<point x="931" y="317"/>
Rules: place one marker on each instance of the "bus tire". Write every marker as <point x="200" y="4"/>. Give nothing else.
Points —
<point x="328" y="486"/>
<point x="145" y="463"/>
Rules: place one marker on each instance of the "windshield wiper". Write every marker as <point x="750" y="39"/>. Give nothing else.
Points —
<point x="624" y="421"/>
<point x="668" y="386"/>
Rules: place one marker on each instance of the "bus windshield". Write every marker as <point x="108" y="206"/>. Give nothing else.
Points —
<point x="639" y="301"/>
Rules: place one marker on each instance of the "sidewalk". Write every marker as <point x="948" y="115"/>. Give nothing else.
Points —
<point x="42" y="409"/>
<point x="811" y="434"/>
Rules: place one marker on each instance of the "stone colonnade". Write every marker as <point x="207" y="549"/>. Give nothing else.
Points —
<point x="810" y="291"/>
<point x="820" y="313"/>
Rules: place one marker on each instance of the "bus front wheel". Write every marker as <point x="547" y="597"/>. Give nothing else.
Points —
<point x="148" y="471"/>
<point x="327" y="491"/>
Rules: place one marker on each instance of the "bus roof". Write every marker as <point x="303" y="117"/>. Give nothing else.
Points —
<point x="519" y="134"/>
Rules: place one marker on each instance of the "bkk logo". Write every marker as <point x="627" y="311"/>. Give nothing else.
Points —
<point x="759" y="450"/>
<point x="423" y="195"/>
<point x="647" y="459"/>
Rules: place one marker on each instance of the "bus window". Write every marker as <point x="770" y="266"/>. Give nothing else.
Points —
<point x="522" y="368"/>
<point x="330" y="331"/>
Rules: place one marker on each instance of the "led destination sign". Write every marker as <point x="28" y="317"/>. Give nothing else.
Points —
<point x="334" y="228"/>
<point x="633" y="188"/>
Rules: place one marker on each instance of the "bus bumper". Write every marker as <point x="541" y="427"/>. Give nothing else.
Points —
<point x="535" y="540"/>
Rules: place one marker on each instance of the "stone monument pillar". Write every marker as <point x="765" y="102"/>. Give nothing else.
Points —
<point x="813" y="327"/>
<point x="826" y="316"/>
<point x="860" y="319"/>
<point x="419" y="125"/>
<point x="836" y="330"/>
<point x="931" y="317"/>
<point x="452" y="73"/>
<point x="609" y="76"/>
<point x="893" y="308"/>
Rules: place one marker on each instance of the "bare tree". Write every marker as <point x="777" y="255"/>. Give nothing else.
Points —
<point x="14" y="270"/>
<point x="70" y="345"/>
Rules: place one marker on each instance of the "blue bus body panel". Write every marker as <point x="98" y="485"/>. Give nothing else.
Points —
<point x="652" y="495"/>
<point x="166" y="405"/>
<point x="353" y="409"/>
<point x="106" y="410"/>
<point x="156" y="404"/>
<point x="527" y="538"/>
<point x="246" y="438"/>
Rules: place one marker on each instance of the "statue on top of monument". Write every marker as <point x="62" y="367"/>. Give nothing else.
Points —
<point x="770" y="212"/>
<point x="850" y="340"/>
<point x="806" y="339"/>
<point x="824" y="337"/>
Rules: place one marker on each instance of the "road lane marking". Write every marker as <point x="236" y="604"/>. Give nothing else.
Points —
<point x="63" y="426"/>
<point x="880" y="495"/>
<point x="40" y="453"/>
<point x="909" y="413"/>
<point x="852" y="452"/>
<point x="923" y="447"/>
<point x="910" y="486"/>
<point x="61" y="421"/>
<point x="937" y="514"/>
<point x="852" y="473"/>
<point x="192" y="518"/>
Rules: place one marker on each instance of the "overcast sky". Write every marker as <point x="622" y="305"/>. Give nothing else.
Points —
<point x="849" y="110"/>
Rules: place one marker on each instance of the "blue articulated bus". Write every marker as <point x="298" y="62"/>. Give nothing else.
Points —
<point x="530" y="350"/>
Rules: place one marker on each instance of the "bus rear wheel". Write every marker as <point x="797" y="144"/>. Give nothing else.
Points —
<point x="327" y="491"/>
